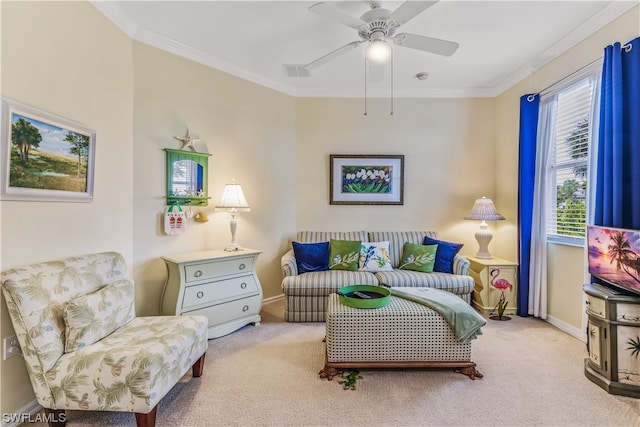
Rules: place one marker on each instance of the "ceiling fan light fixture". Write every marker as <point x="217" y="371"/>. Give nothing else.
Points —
<point x="378" y="51"/>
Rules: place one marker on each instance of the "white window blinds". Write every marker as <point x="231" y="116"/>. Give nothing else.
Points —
<point x="569" y="160"/>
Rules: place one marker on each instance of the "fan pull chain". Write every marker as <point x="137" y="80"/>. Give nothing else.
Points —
<point x="392" y="82"/>
<point x="365" y="86"/>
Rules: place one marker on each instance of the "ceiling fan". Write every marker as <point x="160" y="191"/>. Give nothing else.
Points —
<point x="377" y="26"/>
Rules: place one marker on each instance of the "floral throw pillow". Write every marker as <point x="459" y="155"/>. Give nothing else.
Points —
<point x="91" y="317"/>
<point x="344" y="254"/>
<point x="374" y="256"/>
<point x="418" y="257"/>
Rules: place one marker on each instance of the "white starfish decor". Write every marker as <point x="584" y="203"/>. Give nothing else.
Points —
<point x="187" y="141"/>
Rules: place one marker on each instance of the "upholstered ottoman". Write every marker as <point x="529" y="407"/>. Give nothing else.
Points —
<point x="402" y="334"/>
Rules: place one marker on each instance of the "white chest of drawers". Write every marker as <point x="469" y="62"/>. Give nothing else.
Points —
<point x="221" y="285"/>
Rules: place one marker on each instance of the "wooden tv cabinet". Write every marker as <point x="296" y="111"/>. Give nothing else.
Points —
<point x="613" y="340"/>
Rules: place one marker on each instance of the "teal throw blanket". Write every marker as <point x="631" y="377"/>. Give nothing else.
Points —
<point x="463" y="319"/>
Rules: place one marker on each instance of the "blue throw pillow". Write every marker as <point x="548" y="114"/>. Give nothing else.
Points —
<point x="444" y="255"/>
<point x="311" y="256"/>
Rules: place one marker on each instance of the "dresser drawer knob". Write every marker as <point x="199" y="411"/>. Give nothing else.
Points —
<point x="245" y="308"/>
<point x="200" y="294"/>
<point x="242" y="266"/>
<point x="243" y="285"/>
<point x="198" y="273"/>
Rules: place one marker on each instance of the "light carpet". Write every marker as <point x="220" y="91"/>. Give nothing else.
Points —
<point x="268" y="376"/>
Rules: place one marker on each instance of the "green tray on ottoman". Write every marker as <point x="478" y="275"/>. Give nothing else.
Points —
<point x="364" y="296"/>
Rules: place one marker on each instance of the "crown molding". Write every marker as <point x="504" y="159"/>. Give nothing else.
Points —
<point x="408" y="93"/>
<point x="115" y="14"/>
<point x="121" y="19"/>
<point x="151" y="38"/>
<point x="577" y="35"/>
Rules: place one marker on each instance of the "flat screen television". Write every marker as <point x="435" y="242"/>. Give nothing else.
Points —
<point x="614" y="256"/>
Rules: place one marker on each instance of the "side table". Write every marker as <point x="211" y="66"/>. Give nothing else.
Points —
<point x="221" y="285"/>
<point x="486" y="271"/>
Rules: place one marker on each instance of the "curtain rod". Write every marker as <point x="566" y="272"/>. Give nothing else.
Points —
<point x="546" y="89"/>
<point x="626" y="47"/>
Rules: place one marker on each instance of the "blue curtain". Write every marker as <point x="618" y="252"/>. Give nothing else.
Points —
<point x="617" y="197"/>
<point x="529" y="107"/>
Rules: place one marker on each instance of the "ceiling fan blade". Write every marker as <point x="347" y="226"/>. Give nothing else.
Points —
<point x="409" y="10"/>
<point x="331" y="55"/>
<point x="428" y="44"/>
<point x="324" y="10"/>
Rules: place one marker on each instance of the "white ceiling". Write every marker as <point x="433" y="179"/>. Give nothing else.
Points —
<point x="501" y="42"/>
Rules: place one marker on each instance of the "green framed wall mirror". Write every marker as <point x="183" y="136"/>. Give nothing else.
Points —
<point x="187" y="177"/>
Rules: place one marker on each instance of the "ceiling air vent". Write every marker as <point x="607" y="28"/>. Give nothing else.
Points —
<point x="295" y="70"/>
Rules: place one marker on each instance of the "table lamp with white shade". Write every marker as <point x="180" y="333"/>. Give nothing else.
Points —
<point x="484" y="210"/>
<point x="233" y="201"/>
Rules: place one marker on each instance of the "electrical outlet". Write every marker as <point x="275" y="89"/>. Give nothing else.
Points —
<point x="11" y="347"/>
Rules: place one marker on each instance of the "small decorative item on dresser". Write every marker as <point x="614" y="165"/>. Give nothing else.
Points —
<point x="201" y="217"/>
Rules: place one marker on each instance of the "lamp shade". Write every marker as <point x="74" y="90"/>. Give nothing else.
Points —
<point x="484" y="210"/>
<point x="233" y="198"/>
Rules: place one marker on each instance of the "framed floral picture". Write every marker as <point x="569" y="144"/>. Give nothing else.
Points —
<point x="45" y="157"/>
<point x="366" y="179"/>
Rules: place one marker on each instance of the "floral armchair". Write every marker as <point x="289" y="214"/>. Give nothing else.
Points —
<point x="82" y="344"/>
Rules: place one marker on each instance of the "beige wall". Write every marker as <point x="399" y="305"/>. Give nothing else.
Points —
<point x="248" y="129"/>
<point x="565" y="263"/>
<point x="73" y="62"/>
<point x="69" y="60"/>
<point x="448" y="146"/>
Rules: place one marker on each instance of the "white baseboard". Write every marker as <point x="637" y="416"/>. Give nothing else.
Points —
<point x="26" y="414"/>
<point x="567" y="328"/>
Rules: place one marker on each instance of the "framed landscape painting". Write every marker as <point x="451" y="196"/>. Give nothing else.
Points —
<point x="45" y="157"/>
<point x="366" y="179"/>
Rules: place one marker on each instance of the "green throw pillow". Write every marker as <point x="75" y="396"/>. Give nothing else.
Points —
<point x="418" y="257"/>
<point x="344" y="254"/>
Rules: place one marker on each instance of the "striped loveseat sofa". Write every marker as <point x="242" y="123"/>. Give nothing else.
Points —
<point x="306" y="294"/>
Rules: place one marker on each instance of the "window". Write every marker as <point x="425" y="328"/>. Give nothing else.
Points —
<point x="568" y="165"/>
